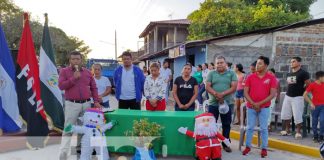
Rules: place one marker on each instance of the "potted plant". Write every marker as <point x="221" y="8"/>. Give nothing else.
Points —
<point x="143" y="133"/>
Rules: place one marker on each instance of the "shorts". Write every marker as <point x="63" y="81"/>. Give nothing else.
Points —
<point x="293" y="106"/>
<point x="239" y="94"/>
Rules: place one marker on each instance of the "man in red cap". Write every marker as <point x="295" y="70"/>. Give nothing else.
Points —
<point x="207" y="137"/>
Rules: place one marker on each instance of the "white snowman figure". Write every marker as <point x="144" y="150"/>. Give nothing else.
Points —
<point x="93" y="130"/>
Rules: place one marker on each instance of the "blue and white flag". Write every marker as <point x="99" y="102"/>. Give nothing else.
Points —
<point x="9" y="111"/>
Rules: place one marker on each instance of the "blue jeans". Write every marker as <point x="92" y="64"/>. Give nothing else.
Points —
<point x="202" y="89"/>
<point x="167" y="91"/>
<point x="252" y="116"/>
<point x="226" y="119"/>
<point x="318" y="113"/>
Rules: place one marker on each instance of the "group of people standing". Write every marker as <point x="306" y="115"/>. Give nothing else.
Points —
<point x="259" y="89"/>
<point x="221" y="83"/>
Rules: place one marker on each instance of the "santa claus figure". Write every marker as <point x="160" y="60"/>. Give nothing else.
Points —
<point x="207" y="137"/>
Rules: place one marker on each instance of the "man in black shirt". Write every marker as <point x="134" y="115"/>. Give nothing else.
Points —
<point x="293" y="104"/>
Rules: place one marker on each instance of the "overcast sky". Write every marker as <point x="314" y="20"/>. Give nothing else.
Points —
<point x="95" y="21"/>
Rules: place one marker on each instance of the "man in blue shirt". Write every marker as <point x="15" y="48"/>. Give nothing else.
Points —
<point x="129" y="81"/>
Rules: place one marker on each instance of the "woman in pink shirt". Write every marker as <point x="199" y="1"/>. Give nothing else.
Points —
<point x="239" y="94"/>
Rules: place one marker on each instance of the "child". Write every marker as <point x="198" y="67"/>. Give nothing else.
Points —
<point x="154" y="89"/>
<point x="317" y="104"/>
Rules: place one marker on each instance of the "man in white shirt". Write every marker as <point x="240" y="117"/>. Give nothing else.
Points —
<point x="166" y="73"/>
<point x="129" y="81"/>
<point x="103" y="85"/>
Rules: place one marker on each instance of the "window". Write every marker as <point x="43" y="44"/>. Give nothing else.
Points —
<point x="319" y="52"/>
<point x="309" y="51"/>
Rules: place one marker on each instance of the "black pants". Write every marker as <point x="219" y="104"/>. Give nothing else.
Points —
<point x="129" y="104"/>
<point x="226" y="119"/>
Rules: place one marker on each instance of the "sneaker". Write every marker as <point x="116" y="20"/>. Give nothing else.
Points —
<point x="246" y="151"/>
<point x="264" y="153"/>
<point x="227" y="149"/>
<point x="298" y="136"/>
<point x="315" y="139"/>
<point x="285" y="133"/>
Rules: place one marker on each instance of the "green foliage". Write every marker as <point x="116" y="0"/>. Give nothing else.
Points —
<point x="145" y="128"/>
<point x="224" y="17"/>
<point x="7" y="7"/>
<point x="300" y="6"/>
<point x="144" y="131"/>
<point x="12" y="23"/>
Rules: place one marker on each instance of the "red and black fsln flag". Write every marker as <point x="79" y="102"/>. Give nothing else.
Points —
<point x="28" y="89"/>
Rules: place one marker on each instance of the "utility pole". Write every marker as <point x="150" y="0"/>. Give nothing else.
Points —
<point x="115" y="45"/>
<point x="170" y="15"/>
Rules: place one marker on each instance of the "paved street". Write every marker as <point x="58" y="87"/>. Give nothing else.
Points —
<point x="51" y="153"/>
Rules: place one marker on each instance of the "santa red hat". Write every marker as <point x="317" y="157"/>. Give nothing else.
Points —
<point x="205" y="115"/>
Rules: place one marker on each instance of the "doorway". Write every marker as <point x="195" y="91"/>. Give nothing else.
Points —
<point x="191" y="59"/>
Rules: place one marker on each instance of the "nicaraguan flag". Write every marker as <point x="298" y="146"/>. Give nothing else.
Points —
<point x="9" y="111"/>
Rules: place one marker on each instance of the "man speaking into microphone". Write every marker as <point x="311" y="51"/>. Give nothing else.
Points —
<point x="79" y="87"/>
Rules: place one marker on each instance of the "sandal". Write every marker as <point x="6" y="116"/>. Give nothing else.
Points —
<point x="285" y="133"/>
<point x="298" y="136"/>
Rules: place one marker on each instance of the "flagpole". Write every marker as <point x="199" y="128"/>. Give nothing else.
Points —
<point x="46" y="18"/>
<point x="1" y="132"/>
<point x="115" y="45"/>
<point x="25" y="18"/>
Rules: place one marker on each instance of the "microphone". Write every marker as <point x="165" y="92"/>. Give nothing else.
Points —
<point x="76" y="67"/>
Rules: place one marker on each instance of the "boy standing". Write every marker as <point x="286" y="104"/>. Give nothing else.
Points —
<point x="317" y="104"/>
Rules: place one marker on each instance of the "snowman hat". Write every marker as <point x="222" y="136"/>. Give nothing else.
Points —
<point x="95" y="110"/>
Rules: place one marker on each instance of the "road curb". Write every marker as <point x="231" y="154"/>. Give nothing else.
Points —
<point x="283" y="145"/>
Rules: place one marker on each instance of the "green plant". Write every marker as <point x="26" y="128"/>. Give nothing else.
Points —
<point x="143" y="132"/>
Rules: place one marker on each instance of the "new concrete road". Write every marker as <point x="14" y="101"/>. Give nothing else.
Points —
<point x="51" y="153"/>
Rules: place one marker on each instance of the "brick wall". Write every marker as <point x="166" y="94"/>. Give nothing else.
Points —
<point x="242" y="49"/>
<point x="305" y="42"/>
<point x="238" y="54"/>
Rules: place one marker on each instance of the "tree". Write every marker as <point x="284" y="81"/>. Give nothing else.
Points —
<point x="300" y="6"/>
<point x="12" y="22"/>
<point x="224" y="17"/>
<point x="7" y="7"/>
